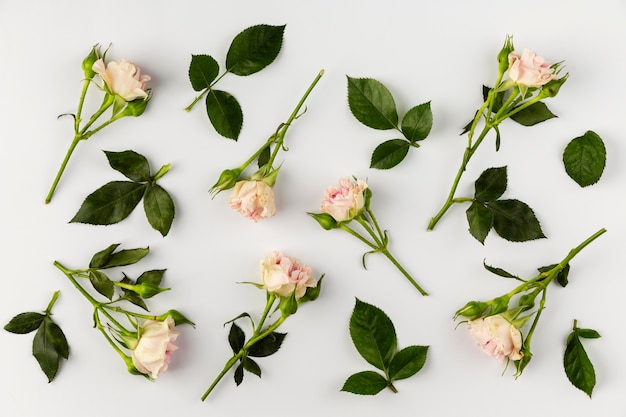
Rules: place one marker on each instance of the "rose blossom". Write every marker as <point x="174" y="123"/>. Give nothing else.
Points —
<point x="346" y="201"/>
<point x="529" y="69"/>
<point x="152" y="354"/>
<point x="497" y="337"/>
<point x="122" y="78"/>
<point x="253" y="199"/>
<point x="282" y="275"/>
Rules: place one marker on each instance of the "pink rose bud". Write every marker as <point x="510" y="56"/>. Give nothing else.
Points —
<point x="346" y="201"/>
<point x="153" y="352"/>
<point x="122" y="78"/>
<point x="497" y="337"/>
<point x="530" y="69"/>
<point x="253" y="199"/>
<point x="283" y="275"/>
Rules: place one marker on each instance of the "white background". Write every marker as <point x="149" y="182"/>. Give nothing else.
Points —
<point x="438" y="51"/>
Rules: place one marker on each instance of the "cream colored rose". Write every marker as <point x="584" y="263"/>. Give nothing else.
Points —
<point x="497" y="337"/>
<point x="152" y="354"/>
<point x="529" y="69"/>
<point x="283" y="275"/>
<point x="345" y="201"/>
<point x="122" y="78"/>
<point x="253" y="199"/>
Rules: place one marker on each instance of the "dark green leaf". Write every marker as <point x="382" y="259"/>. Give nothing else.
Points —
<point x="254" y="49"/>
<point x="389" y="154"/>
<point x="585" y="158"/>
<point x="497" y="129"/>
<point x="407" y="362"/>
<point x="102" y="283"/>
<point x="468" y="126"/>
<point x="225" y="113"/>
<point x="110" y="204"/>
<point x="264" y="157"/>
<point x="498" y="99"/>
<point x="562" y="275"/>
<point x="268" y="345"/>
<point x="45" y="352"/>
<point x="251" y="366"/>
<point x="372" y="104"/>
<point x="131" y="164"/>
<point x="480" y="220"/>
<point x="102" y="257"/>
<point x="133" y="297"/>
<point x="490" y="185"/>
<point x="25" y="323"/>
<point x="587" y="333"/>
<point x="236" y="338"/>
<point x="125" y="257"/>
<point x="417" y="122"/>
<point x="365" y="383"/>
<point x="178" y="318"/>
<point x="578" y="366"/>
<point x="533" y="114"/>
<point x="202" y="71"/>
<point x="499" y="271"/>
<point x="239" y="374"/>
<point x="373" y="334"/>
<point x="56" y="336"/>
<point x="159" y="208"/>
<point x="515" y="221"/>
<point x="154" y="276"/>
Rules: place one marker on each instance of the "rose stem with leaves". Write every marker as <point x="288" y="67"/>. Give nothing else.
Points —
<point x="258" y="335"/>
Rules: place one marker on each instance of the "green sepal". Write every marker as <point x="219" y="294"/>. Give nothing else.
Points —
<point x="373" y="334"/>
<point x="312" y="293"/>
<point x="389" y="153"/>
<point x="288" y="305"/>
<point x="224" y="113"/>
<point x="159" y="208"/>
<point x="110" y="204"/>
<point x="137" y="107"/>
<point x="584" y="158"/>
<point x="24" y="323"/>
<point x="372" y="103"/>
<point x="365" y="383"/>
<point x="118" y="104"/>
<point x="129" y="163"/>
<point x="177" y="316"/>
<point x="203" y="69"/>
<point x="254" y="49"/>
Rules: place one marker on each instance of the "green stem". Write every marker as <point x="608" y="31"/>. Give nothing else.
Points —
<point x="404" y="272"/>
<point x="268" y="306"/>
<point x="358" y="236"/>
<point x="206" y="90"/>
<point x="368" y="229"/>
<point x="392" y="387"/>
<point x="81" y="102"/>
<point x="62" y="168"/>
<point x="55" y="296"/>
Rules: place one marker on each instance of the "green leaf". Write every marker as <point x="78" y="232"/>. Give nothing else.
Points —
<point x="389" y="154"/>
<point x="561" y="277"/>
<point x="102" y="257"/>
<point x="131" y="296"/>
<point x="515" y="221"/>
<point x="125" y="257"/>
<point x="25" y="323"/>
<point x="585" y="158"/>
<point x="254" y="49"/>
<point x="500" y="272"/>
<point x="264" y="157"/>
<point x="268" y="345"/>
<point x="372" y="104"/>
<point x="373" y="334"/>
<point x="533" y="114"/>
<point x="480" y="220"/>
<point x="102" y="283"/>
<point x="238" y="374"/>
<point x="154" y="277"/>
<point x="236" y="338"/>
<point x="203" y="69"/>
<point x="587" y="333"/>
<point x="498" y="100"/>
<point x="225" y="113"/>
<point x="110" y="204"/>
<point x="578" y="366"/>
<point x="251" y="366"/>
<point x="159" y="208"/>
<point x="490" y="185"/>
<point x="365" y="383"/>
<point x="417" y="122"/>
<point x="131" y="164"/>
<point x="178" y="318"/>
<point x="45" y="352"/>
<point x="56" y="336"/>
<point x="407" y="362"/>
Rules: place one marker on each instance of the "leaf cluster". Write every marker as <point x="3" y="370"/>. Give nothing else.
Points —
<point x="373" y="105"/>
<point x="114" y="201"/>
<point x="264" y="347"/>
<point x="250" y="51"/>
<point x="584" y="158"/>
<point x="374" y="337"/>
<point x="49" y="343"/>
<point x="576" y="362"/>
<point x="512" y="219"/>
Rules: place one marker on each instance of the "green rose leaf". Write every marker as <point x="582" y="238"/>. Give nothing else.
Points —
<point x="373" y="334"/>
<point x="159" y="208"/>
<point x="236" y="338"/>
<point x="110" y="204"/>
<point x="372" y="103"/>
<point x="178" y="318"/>
<point x="254" y="49"/>
<point x="407" y="362"/>
<point x="417" y="122"/>
<point x="365" y="383"/>
<point x="154" y="277"/>
<point x="561" y="276"/>
<point x="238" y="374"/>
<point x="587" y="333"/>
<point x="490" y="185"/>
<point x="125" y="257"/>
<point x="57" y="337"/>
<point x="251" y="366"/>
<point x="480" y="220"/>
<point x="389" y="154"/>
<point x="131" y="296"/>
<point x="499" y="271"/>
<point x="585" y="158"/>
<point x="268" y="345"/>
<point x="264" y="157"/>
<point x="533" y="114"/>
<point x="225" y="113"/>
<point x="49" y="345"/>
<point x="102" y="257"/>
<point x="25" y="323"/>
<point x="203" y="69"/>
<point x="102" y="283"/>
<point x="515" y="221"/>
<point x="578" y="366"/>
<point x="131" y="164"/>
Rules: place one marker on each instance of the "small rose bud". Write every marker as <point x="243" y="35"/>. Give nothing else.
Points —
<point x="288" y="305"/>
<point x="472" y="310"/>
<point x="499" y="305"/>
<point x="551" y="89"/>
<point x="503" y="55"/>
<point x="147" y="289"/>
<point x="227" y="180"/>
<point x="312" y="293"/>
<point x="325" y="220"/>
<point x="89" y="61"/>
<point x="136" y="107"/>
